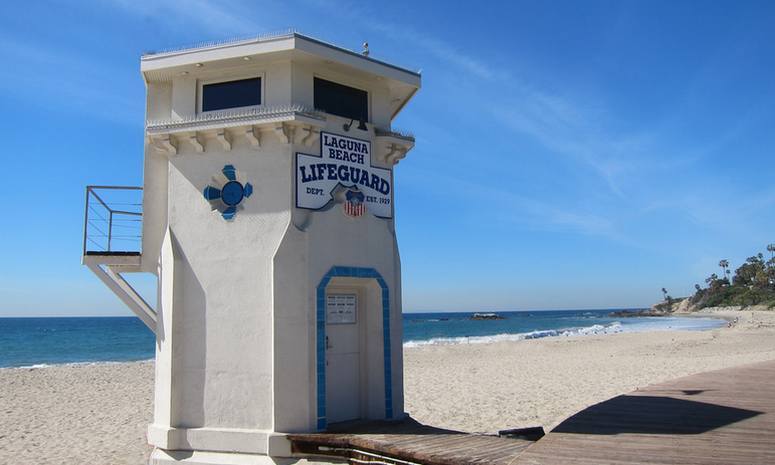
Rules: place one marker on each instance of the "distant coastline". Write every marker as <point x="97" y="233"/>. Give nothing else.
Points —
<point x="750" y="287"/>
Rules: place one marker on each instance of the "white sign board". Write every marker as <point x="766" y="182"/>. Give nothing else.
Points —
<point x="343" y="161"/>
<point x="341" y="308"/>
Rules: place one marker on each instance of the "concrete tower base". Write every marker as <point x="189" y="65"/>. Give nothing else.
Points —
<point x="162" y="457"/>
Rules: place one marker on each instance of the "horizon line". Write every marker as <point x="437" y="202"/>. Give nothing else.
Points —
<point x="403" y="312"/>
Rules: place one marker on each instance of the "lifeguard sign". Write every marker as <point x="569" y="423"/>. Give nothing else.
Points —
<point x="268" y="220"/>
<point x="345" y="162"/>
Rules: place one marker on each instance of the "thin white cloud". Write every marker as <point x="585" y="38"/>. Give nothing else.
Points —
<point x="442" y="50"/>
<point x="553" y="124"/>
<point x="62" y="78"/>
<point x="214" y="16"/>
<point x="506" y="206"/>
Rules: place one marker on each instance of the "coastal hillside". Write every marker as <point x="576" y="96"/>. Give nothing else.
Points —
<point x="751" y="284"/>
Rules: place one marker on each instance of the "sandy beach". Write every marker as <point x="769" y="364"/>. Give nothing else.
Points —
<point x="76" y="414"/>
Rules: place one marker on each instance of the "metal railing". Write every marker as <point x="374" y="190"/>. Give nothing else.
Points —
<point x="394" y="133"/>
<point x="113" y="220"/>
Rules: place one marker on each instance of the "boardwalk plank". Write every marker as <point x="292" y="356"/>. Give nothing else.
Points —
<point x="416" y="443"/>
<point x="724" y="417"/>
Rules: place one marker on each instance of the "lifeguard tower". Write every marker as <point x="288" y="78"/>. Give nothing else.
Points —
<point x="267" y="216"/>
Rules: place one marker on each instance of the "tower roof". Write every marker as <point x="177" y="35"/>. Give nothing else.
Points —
<point x="165" y="65"/>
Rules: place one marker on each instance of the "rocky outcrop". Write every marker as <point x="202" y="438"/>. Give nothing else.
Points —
<point x="635" y="313"/>
<point x="663" y="308"/>
<point x="681" y="305"/>
<point x="487" y="316"/>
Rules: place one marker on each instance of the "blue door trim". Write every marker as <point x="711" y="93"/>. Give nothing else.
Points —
<point x="350" y="272"/>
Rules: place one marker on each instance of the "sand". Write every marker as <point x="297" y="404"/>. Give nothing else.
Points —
<point x="76" y="414"/>
<point x="79" y="414"/>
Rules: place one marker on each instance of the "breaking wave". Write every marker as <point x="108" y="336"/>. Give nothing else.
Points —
<point x="37" y="366"/>
<point x="611" y="328"/>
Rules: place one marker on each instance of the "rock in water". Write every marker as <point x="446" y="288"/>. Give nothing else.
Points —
<point x="487" y="316"/>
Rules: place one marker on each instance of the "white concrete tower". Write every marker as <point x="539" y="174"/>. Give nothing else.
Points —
<point x="268" y="218"/>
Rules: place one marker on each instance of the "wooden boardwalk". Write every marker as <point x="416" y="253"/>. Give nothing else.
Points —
<point x="724" y="417"/>
<point x="407" y="442"/>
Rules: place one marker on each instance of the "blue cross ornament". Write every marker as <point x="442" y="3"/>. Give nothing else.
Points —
<point x="231" y="191"/>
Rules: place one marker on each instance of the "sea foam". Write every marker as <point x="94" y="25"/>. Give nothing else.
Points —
<point x="611" y="328"/>
<point x="37" y="366"/>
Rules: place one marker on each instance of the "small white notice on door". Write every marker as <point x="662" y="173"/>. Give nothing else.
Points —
<point x="340" y="308"/>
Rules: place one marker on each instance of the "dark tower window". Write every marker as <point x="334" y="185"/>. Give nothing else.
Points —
<point x="341" y="100"/>
<point x="231" y="94"/>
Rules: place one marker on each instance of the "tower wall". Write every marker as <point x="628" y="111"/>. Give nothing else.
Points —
<point x="244" y="337"/>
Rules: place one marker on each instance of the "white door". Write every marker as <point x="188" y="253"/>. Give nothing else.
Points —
<point x="342" y="357"/>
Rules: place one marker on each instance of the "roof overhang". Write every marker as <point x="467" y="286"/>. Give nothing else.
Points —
<point x="164" y="66"/>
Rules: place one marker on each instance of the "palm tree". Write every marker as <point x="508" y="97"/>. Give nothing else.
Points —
<point x="771" y="250"/>
<point x="664" y="293"/>
<point x="724" y="264"/>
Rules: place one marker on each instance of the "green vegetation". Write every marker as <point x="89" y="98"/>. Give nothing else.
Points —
<point x="753" y="283"/>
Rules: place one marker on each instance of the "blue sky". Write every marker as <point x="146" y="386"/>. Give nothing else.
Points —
<point x="569" y="154"/>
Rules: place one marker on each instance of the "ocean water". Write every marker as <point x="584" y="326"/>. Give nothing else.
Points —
<point x="26" y="342"/>
<point x="46" y="341"/>
<point x="459" y="328"/>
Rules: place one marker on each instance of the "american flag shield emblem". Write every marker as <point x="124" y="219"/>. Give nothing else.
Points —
<point x="353" y="205"/>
